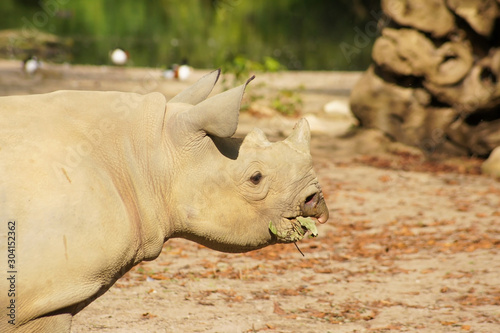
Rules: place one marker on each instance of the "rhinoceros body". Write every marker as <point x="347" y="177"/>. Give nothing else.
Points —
<point x="92" y="183"/>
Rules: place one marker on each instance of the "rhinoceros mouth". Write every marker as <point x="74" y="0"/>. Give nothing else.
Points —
<point x="294" y="229"/>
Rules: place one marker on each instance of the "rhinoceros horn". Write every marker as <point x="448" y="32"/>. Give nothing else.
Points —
<point x="256" y="138"/>
<point x="300" y="138"/>
<point x="199" y="91"/>
<point x="217" y="115"/>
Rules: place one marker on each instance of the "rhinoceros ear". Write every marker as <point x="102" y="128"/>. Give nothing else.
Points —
<point x="301" y="136"/>
<point x="217" y="115"/>
<point x="199" y="91"/>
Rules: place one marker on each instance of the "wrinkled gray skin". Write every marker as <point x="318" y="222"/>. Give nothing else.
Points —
<point x="96" y="182"/>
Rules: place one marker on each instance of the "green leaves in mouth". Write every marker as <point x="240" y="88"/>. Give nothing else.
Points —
<point x="296" y="233"/>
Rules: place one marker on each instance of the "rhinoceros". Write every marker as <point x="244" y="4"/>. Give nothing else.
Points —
<point x="92" y="183"/>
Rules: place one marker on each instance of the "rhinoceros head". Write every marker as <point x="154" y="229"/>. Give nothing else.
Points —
<point x="232" y="194"/>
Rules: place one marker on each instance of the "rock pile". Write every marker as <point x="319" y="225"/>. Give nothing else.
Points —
<point x="435" y="78"/>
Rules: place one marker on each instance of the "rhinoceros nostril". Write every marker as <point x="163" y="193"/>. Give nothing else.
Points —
<point x="311" y="199"/>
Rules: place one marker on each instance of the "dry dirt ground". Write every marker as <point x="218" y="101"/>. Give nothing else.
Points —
<point x="411" y="245"/>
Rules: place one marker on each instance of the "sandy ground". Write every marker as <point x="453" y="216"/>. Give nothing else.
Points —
<point x="411" y="245"/>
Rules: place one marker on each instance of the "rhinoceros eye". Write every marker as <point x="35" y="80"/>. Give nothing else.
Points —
<point x="256" y="178"/>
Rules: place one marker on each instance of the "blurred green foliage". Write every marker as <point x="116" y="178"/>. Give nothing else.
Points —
<point x="287" y="102"/>
<point x="245" y="34"/>
<point x="241" y="67"/>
